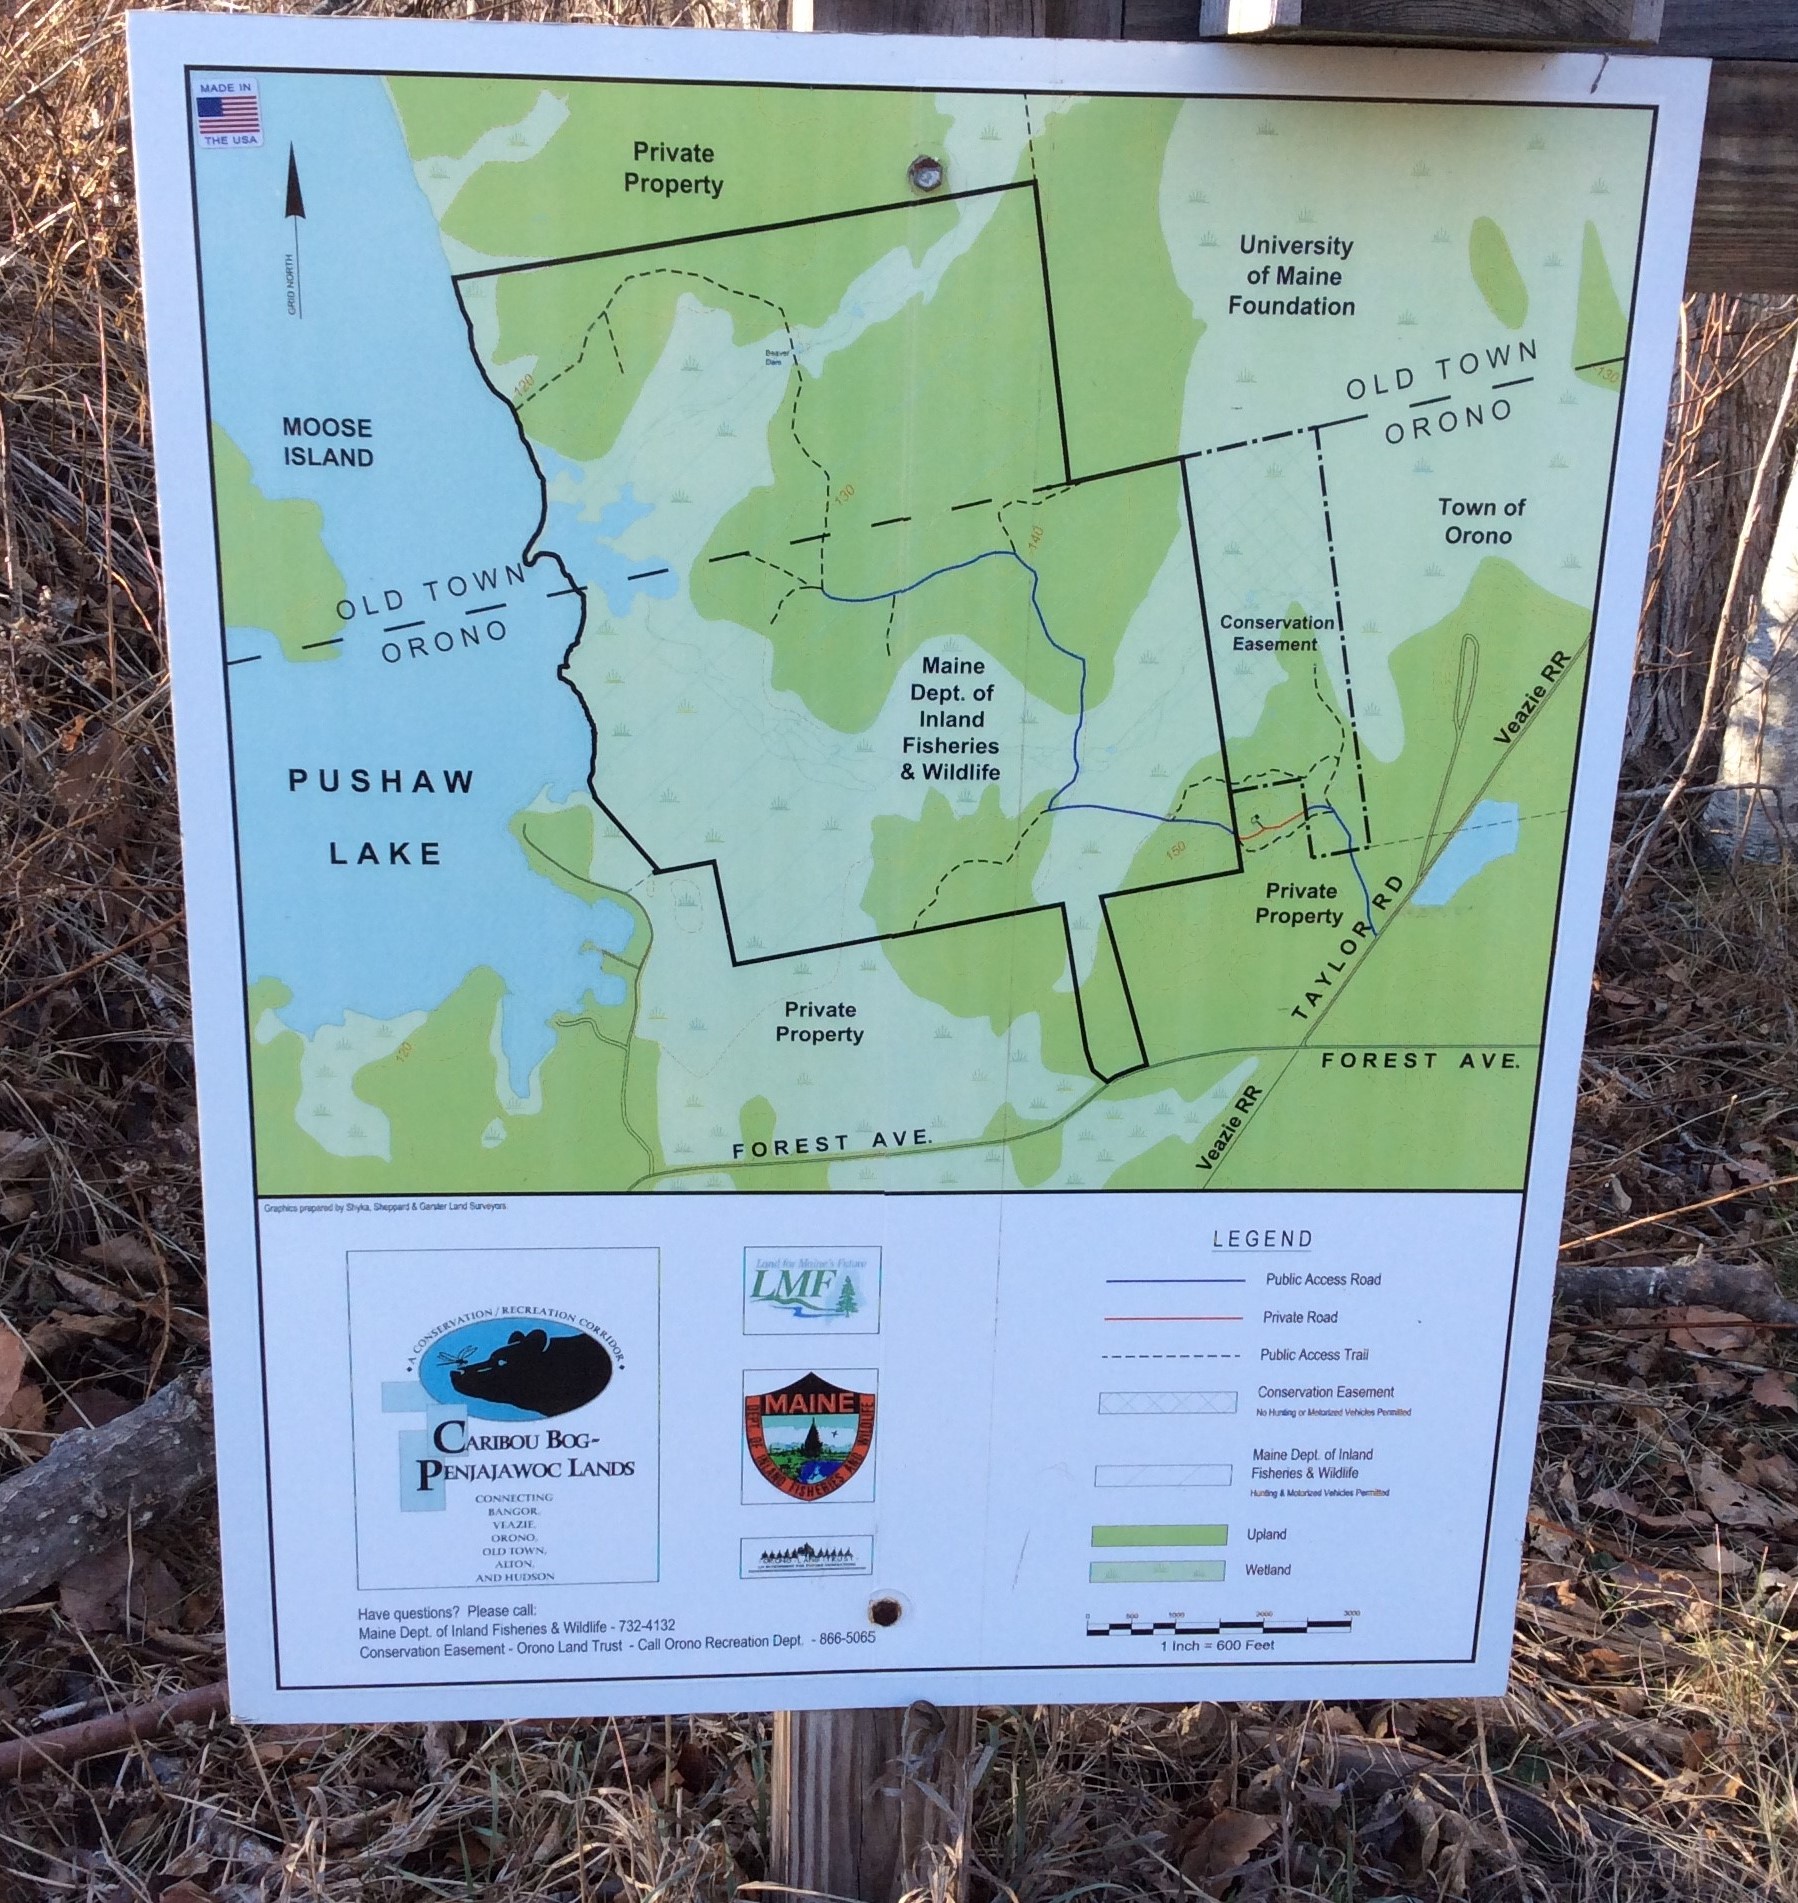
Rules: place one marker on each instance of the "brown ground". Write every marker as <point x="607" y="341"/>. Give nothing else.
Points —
<point x="1648" y="1749"/>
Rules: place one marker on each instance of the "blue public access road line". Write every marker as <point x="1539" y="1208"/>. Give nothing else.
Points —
<point x="1366" y="896"/>
<point x="1082" y="806"/>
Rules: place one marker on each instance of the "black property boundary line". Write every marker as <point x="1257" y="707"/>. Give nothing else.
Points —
<point x="740" y="959"/>
<point x="741" y="231"/>
<point x="1179" y="458"/>
<point x="1070" y="480"/>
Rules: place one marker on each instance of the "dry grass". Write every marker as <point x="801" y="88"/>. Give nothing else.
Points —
<point x="1649" y="1748"/>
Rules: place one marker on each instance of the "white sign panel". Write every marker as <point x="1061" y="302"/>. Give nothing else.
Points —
<point x="895" y="760"/>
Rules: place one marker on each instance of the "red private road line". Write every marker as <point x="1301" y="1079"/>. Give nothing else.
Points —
<point x="1274" y="828"/>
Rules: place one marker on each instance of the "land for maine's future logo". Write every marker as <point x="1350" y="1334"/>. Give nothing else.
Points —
<point x="811" y="1290"/>
<point x="516" y="1368"/>
<point x="809" y="1438"/>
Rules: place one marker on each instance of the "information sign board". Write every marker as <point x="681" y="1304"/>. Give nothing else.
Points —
<point x="895" y="760"/>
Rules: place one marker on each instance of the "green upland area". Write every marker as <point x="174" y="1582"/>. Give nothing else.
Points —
<point x="1495" y="272"/>
<point x="834" y="150"/>
<point x="1042" y="734"/>
<point x="1601" y="334"/>
<point x="597" y="329"/>
<point x="890" y="465"/>
<point x="277" y="573"/>
<point x="1295" y="973"/>
<point x="1124" y="328"/>
<point x="593" y="1128"/>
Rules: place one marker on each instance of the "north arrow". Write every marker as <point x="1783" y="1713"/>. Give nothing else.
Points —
<point x="295" y="210"/>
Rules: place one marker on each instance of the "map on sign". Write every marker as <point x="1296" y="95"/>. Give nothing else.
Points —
<point x="813" y="677"/>
<point x="749" y="674"/>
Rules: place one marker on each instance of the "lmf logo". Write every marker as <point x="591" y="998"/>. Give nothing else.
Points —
<point x="795" y="1291"/>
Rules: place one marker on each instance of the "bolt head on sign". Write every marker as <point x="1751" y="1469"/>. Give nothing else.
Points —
<point x="925" y="173"/>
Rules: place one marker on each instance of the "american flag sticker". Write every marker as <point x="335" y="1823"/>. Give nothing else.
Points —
<point x="227" y="112"/>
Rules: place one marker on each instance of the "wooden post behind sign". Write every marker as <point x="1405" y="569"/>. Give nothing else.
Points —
<point x="870" y="1804"/>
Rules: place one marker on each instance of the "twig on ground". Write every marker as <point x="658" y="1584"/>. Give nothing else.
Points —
<point x="1741" y="1288"/>
<point x="117" y="1731"/>
<point x="1671" y="1215"/>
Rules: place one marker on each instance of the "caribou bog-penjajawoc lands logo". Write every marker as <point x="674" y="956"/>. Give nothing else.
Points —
<point x="518" y="1366"/>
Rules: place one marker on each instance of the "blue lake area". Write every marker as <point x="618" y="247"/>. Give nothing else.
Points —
<point x="587" y="544"/>
<point x="1488" y="833"/>
<point x="451" y="633"/>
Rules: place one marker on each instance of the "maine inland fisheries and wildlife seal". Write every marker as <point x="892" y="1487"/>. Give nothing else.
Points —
<point x="537" y="1372"/>
<point x="810" y="1437"/>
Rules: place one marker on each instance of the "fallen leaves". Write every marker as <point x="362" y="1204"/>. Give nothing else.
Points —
<point x="127" y="1255"/>
<point x="62" y="1328"/>
<point x="1709" y="1330"/>
<point x="1731" y="1503"/>
<point x="92" y="785"/>
<point x="21" y="1401"/>
<point x="1717" y="1384"/>
<point x="186" y="1891"/>
<point x="91" y="1293"/>
<point x="12" y="1365"/>
<point x="1224" y="1845"/>
<point x="91" y="1407"/>
<point x="118" y="1588"/>
<point x="1774" y="1389"/>
<point x="19" y="1155"/>
<point x="1615" y="1500"/>
<point x="114" y="1306"/>
<point x="1721" y="1560"/>
<point x="1777" y="1471"/>
<point x="1605" y="1661"/>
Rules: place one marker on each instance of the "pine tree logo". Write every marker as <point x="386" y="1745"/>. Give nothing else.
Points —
<point x="788" y="1291"/>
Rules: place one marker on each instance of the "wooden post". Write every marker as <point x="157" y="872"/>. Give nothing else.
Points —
<point x="869" y="1804"/>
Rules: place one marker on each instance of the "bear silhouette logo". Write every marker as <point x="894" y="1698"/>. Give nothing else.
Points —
<point x="518" y="1367"/>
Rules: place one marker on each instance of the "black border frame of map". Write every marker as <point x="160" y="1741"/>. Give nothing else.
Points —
<point x="870" y="1670"/>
